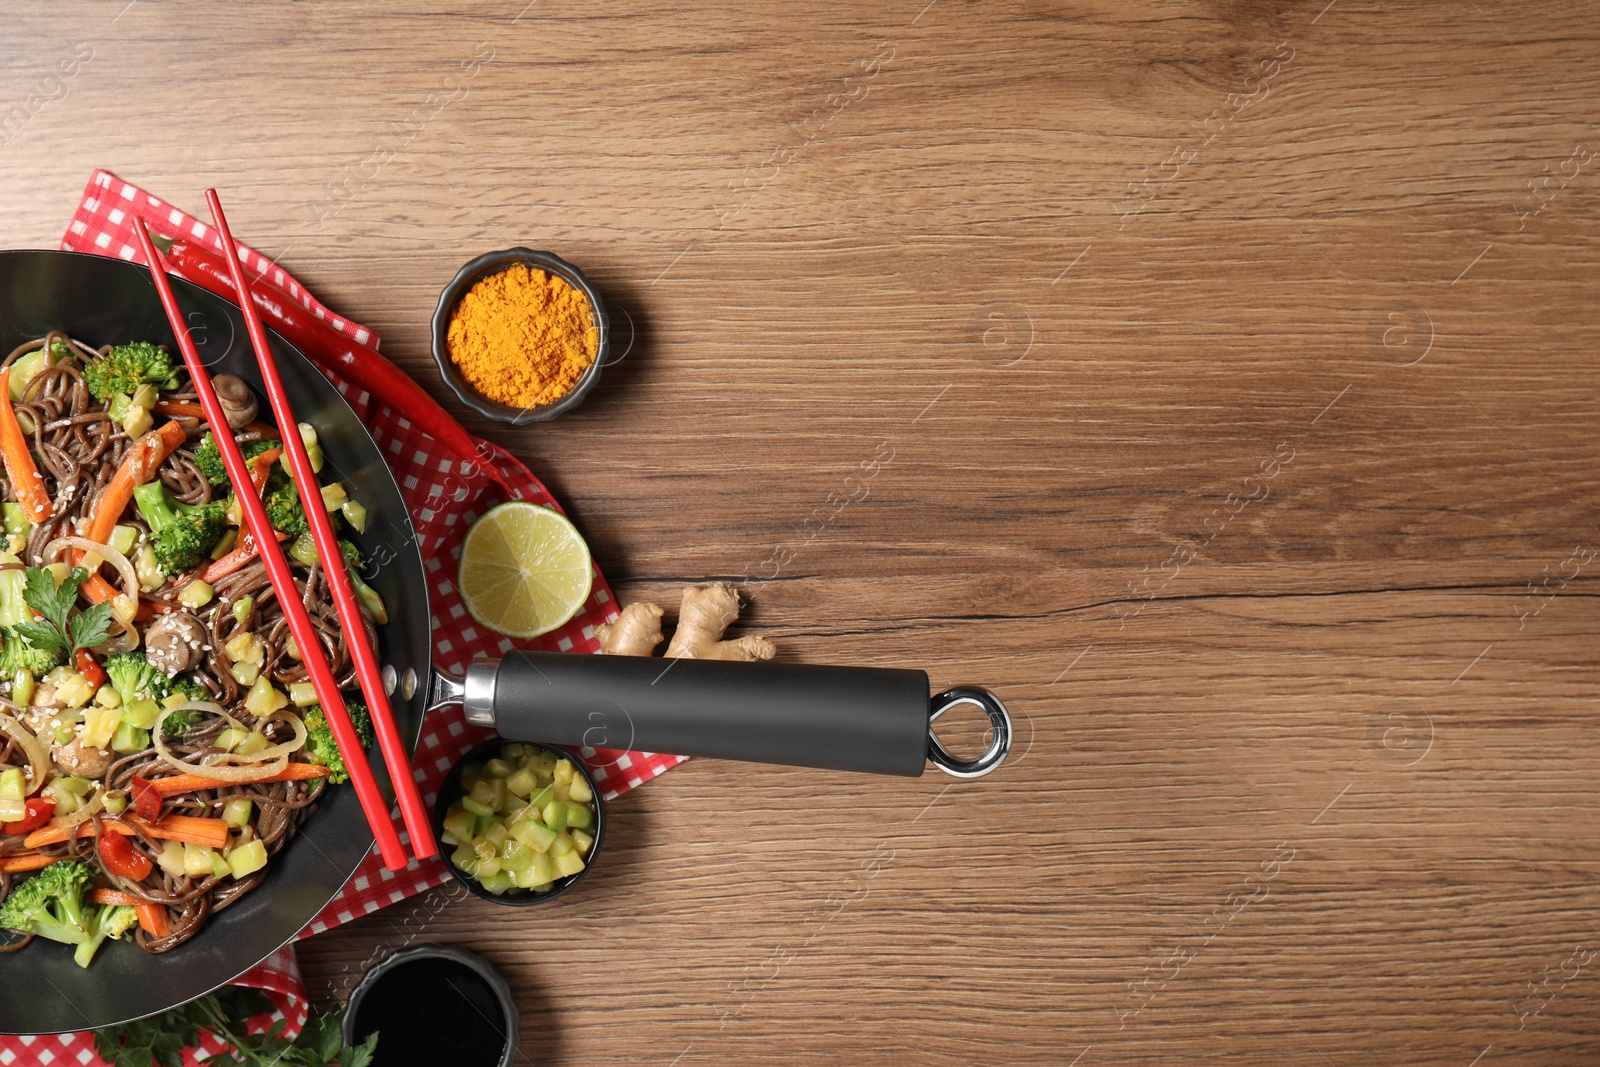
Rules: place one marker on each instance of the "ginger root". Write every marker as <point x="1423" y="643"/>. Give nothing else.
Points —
<point x="704" y="616"/>
<point x="636" y="632"/>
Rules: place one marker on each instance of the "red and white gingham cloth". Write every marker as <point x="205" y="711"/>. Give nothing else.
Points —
<point x="444" y="499"/>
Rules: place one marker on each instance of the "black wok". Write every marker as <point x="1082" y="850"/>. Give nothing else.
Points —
<point x="838" y="718"/>
<point x="103" y="301"/>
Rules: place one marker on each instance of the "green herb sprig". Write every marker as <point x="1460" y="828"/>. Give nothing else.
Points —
<point x="84" y="630"/>
<point x="160" y="1041"/>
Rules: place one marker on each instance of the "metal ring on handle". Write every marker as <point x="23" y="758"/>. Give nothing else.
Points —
<point x="999" y="720"/>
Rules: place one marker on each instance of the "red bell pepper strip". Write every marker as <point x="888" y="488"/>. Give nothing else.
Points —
<point x="122" y="859"/>
<point x="90" y="668"/>
<point x="39" y="811"/>
<point x="333" y="351"/>
<point x="146" y="800"/>
<point x="26" y="481"/>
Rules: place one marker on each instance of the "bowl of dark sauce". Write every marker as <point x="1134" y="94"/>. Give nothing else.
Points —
<point x="434" y="1005"/>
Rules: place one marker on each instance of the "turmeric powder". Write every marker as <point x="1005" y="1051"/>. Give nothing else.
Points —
<point x="523" y="336"/>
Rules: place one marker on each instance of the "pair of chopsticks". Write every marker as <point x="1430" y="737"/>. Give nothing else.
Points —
<point x="259" y="526"/>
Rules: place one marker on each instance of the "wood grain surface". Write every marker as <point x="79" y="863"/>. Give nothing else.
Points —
<point x="1230" y="369"/>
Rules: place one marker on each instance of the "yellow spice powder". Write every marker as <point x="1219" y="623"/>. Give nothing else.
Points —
<point x="523" y="336"/>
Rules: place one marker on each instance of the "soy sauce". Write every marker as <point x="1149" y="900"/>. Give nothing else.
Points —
<point x="433" y="1011"/>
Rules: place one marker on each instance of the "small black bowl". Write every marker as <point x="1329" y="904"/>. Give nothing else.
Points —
<point x="466" y="278"/>
<point x="451" y="789"/>
<point x="354" y="1031"/>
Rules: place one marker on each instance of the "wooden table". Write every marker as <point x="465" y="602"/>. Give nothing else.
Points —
<point x="1212" y="380"/>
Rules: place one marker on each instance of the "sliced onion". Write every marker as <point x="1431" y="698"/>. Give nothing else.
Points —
<point x="126" y="641"/>
<point x="130" y="579"/>
<point x="85" y="812"/>
<point x="229" y="766"/>
<point x="33" y="748"/>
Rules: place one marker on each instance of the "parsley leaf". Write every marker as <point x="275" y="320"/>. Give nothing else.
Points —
<point x="85" y="630"/>
<point x="159" y="1041"/>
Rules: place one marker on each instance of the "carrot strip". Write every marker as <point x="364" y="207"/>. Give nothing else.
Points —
<point x="141" y="462"/>
<point x="246" y="552"/>
<point x="189" y="783"/>
<point x="26" y="861"/>
<point x="152" y="917"/>
<point x="54" y="835"/>
<point x="261" y="468"/>
<point x="189" y="829"/>
<point x="26" y="481"/>
<point x="149" y="609"/>
<point x="142" y="459"/>
<point x="153" y="920"/>
<point x="189" y="409"/>
<point x="115" y="897"/>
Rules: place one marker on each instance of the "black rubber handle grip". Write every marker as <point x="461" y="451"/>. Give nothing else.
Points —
<point x="838" y="718"/>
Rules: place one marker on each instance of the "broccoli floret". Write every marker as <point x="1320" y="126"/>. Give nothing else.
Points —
<point x="180" y="534"/>
<point x="133" y="677"/>
<point x="50" y="904"/>
<point x="208" y="457"/>
<point x="108" y="921"/>
<point x="184" y="718"/>
<point x="322" y="748"/>
<point x="285" y="510"/>
<point x="18" y="655"/>
<point x="128" y="367"/>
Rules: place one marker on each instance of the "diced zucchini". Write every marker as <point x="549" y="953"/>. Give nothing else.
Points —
<point x="171" y="858"/>
<point x="13" y="785"/>
<point x="520" y="783"/>
<point x="197" y="860"/>
<point x="100" y="726"/>
<point x="555" y="815"/>
<point x="533" y="833"/>
<point x="496" y="883"/>
<point x="236" y="812"/>
<point x="247" y="859"/>
<point x="196" y="595"/>
<point x="579" y="816"/>
<point x="142" y="713"/>
<point x="15" y="519"/>
<point x="22" y="687"/>
<point x="129" y="739"/>
<point x="123" y="538"/>
<point x="567" y="864"/>
<point x="24" y="370"/>
<point x="459" y="823"/>
<point x="355" y="514"/>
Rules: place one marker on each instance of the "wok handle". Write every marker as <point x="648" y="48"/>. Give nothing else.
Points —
<point x="875" y="720"/>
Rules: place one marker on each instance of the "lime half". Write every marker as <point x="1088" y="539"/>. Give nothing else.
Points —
<point x="524" y="570"/>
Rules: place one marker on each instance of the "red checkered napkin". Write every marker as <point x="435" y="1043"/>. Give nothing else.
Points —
<point x="444" y="498"/>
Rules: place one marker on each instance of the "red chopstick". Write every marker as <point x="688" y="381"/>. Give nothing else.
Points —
<point x="416" y="817"/>
<point x="294" y="610"/>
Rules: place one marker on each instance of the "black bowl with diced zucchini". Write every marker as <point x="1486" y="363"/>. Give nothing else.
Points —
<point x="519" y="823"/>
